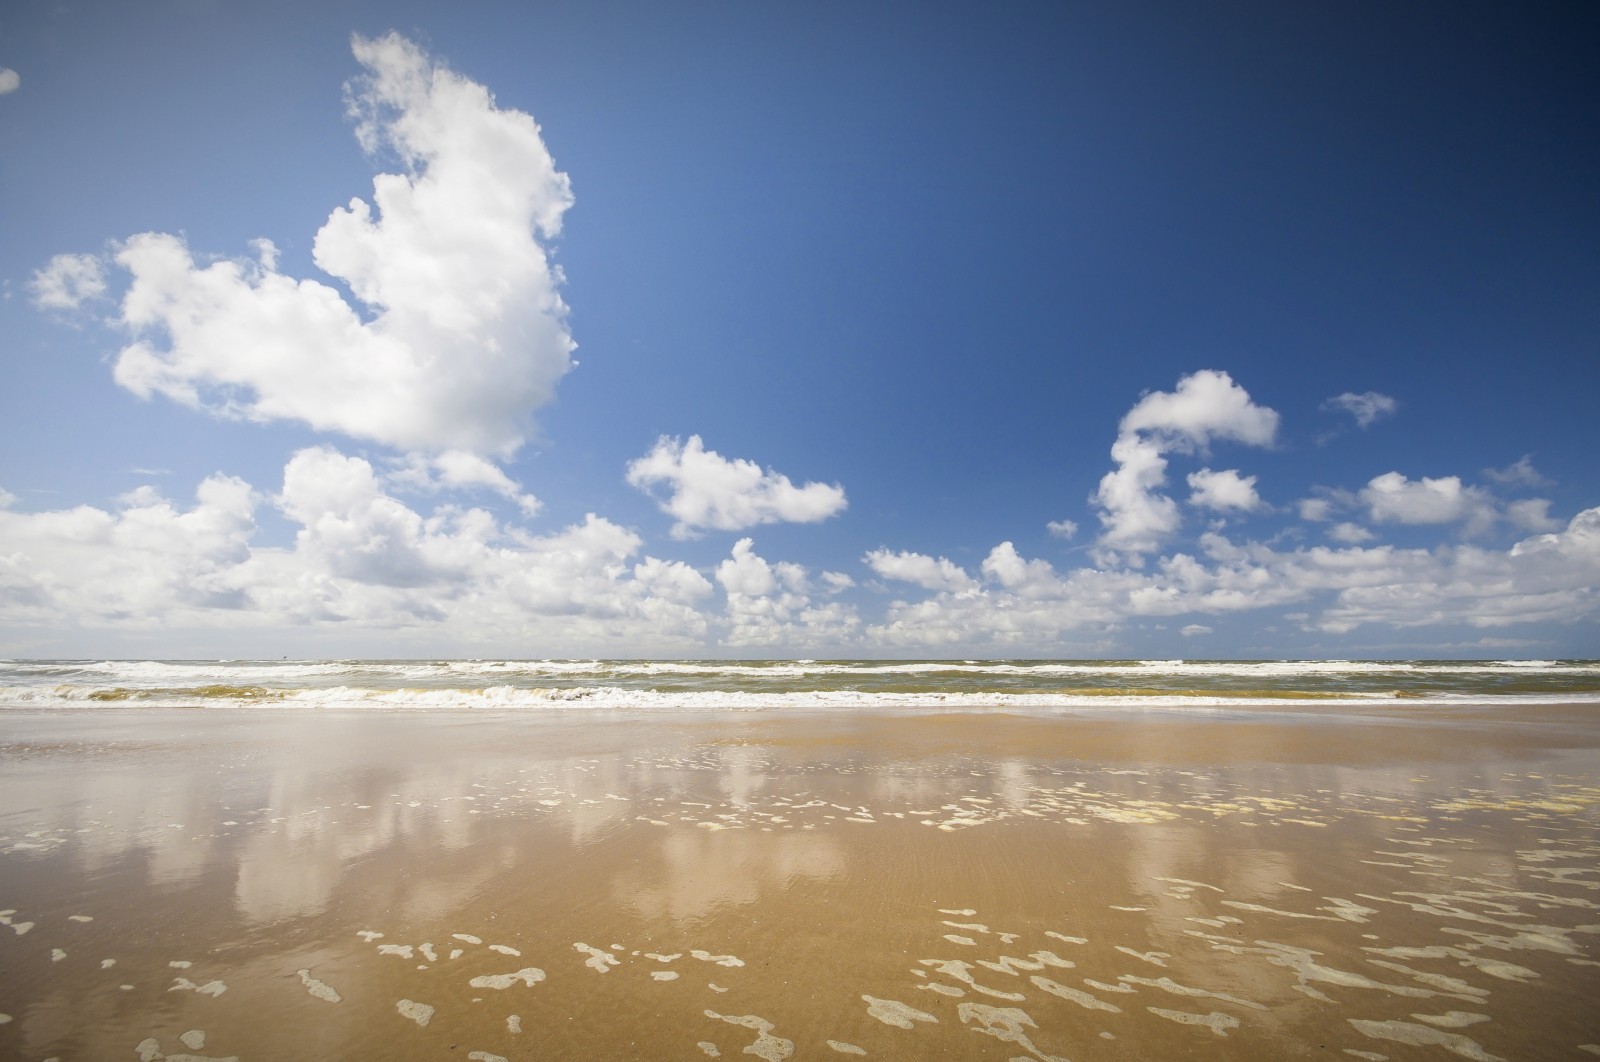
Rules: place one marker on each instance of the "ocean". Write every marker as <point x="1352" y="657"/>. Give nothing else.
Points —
<point x="687" y="685"/>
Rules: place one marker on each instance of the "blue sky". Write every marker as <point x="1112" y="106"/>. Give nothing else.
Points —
<point x="743" y="329"/>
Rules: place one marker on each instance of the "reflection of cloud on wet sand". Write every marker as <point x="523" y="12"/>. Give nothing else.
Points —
<point x="696" y="873"/>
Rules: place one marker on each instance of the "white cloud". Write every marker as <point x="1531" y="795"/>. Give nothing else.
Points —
<point x="1030" y="607"/>
<point x="833" y="582"/>
<point x="1392" y="498"/>
<point x="1315" y="510"/>
<point x="10" y="80"/>
<point x="1521" y="473"/>
<point x="770" y="605"/>
<point x="746" y="573"/>
<point x="67" y="281"/>
<point x="362" y="563"/>
<point x="1532" y="514"/>
<point x="1193" y="630"/>
<point x="707" y="490"/>
<point x="1206" y="405"/>
<point x="1350" y="534"/>
<point x="150" y="560"/>
<point x="461" y="331"/>
<point x="1062" y="528"/>
<point x="461" y="470"/>
<point x="1367" y="407"/>
<point x="1136" y="518"/>
<point x="1224" y="490"/>
<point x="1547" y="578"/>
<point x="920" y="570"/>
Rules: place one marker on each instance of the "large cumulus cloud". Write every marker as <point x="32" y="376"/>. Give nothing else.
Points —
<point x="456" y="330"/>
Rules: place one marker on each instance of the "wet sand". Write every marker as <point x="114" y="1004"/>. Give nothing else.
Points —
<point x="1396" y="882"/>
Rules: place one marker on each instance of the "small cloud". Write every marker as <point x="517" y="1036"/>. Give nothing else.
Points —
<point x="836" y="582"/>
<point x="1520" y="474"/>
<point x="1062" y="528"/>
<point x="930" y="573"/>
<point x="1224" y="490"/>
<point x="140" y="497"/>
<point x="708" y="490"/>
<point x="1367" y="407"/>
<point x="10" y="81"/>
<point x="1205" y="406"/>
<point x="150" y="471"/>
<point x="1392" y="498"/>
<point x="1194" y="630"/>
<point x="1350" y="534"/>
<point x="67" y="282"/>
<point x="1315" y="510"/>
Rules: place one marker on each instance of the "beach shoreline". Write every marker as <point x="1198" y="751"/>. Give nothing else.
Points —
<point x="1109" y="883"/>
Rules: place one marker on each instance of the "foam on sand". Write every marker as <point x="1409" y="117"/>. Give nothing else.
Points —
<point x="318" y="989"/>
<point x="893" y="1012"/>
<point x="1216" y="1021"/>
<point x="530" y="976"/>
<point x="768" y="1047"/>
<point x="421" y="1013"/>
<point x="1406" y="1032"/>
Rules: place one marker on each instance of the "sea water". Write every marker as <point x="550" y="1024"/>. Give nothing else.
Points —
<point x="1044" y="685"/>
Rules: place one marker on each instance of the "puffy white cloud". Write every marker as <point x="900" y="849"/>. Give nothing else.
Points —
<point x="744" y="572"/>
<point x="352" y="529"/>
<point x="1136" y="518"/>
<point x="67" y="281"/>
<point x="461" y="331"/>
<point x="919" y="569"/>
<point x="707" y="490"/>
<point x="132" y="568"/>
<point x="1029" y="607"/>
<point x="1194" y="630"/>
<point x="1005" y="566"/>
<point x="1547" y="578"/>
<point x="671" y="580"/>
<point x="1392" y="498"/>
<point x="1206" y="406"/>
<point x="770" y="605"/>
<point x="1224" y="490"/>
<point x="1062" y="528"/>
<point x="1367" y="407"/>
<point x="362" y="563"/>
<point x="10" y="80"/>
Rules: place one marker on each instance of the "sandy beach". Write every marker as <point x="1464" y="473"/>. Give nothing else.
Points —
<point x="1382" y="882"/>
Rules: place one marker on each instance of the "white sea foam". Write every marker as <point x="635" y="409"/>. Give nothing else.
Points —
<point x="421" y="1013"/>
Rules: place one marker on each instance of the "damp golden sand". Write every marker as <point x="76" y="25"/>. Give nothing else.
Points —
<point x="1395" y="882"/>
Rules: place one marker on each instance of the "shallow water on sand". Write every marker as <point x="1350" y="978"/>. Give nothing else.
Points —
<point x="228" y="884"/>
